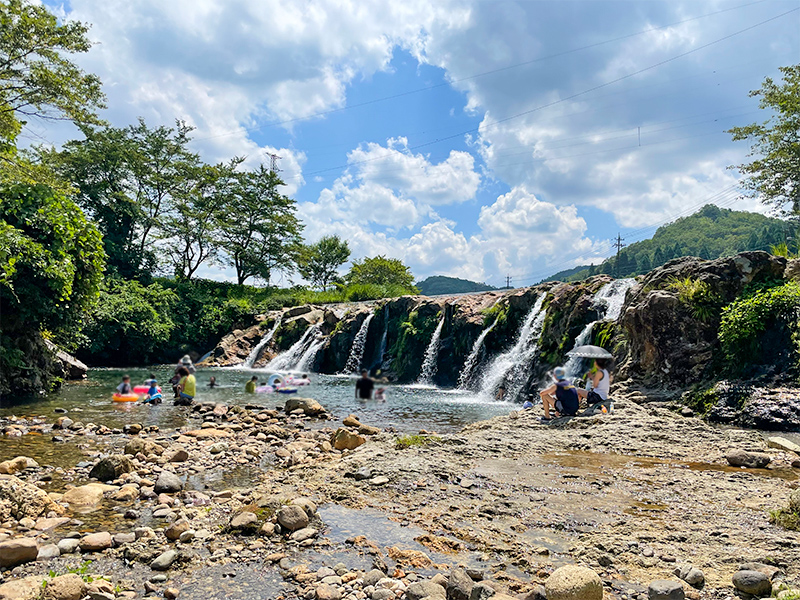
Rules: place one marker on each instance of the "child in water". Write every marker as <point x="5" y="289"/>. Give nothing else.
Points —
<point x="124" y="388"/>
<point x="153" y="396"/>
<point x="380" y="394"/>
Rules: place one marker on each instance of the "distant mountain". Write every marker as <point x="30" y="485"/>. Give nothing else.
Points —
<point x="709" y="233"/>
<point x="439" y="284"/>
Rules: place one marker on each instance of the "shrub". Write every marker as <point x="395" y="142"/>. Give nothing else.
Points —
<point x="409" y="441"/>
<point x="747" y="321"/>
<point x="704" y="303"/>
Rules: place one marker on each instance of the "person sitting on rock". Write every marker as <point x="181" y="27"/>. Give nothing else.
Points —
<point x="598" y="383"/>
<point x="187" y="388"/>
<point x="250" y="386"/>
<point x="561" y="397"/>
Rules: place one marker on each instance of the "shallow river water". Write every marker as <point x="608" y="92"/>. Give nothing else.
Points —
<point x="407" y="408"/>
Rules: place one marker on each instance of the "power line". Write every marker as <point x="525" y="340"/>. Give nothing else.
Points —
<point x="483" y="128"/>
<point x="478" y="75"/>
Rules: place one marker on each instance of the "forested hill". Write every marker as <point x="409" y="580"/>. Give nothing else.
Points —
<point x="439" y="284"/>
<point x="709" y="233"/>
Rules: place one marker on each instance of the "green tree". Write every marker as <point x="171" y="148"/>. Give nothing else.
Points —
<point x="774" y="172"/>
<point x="258" y="231"/>
<point x="188" y="229"/>
<point x="36" y="80"/>
<point x="319" y="262"/>
<point x="380" y="270"/>
<point x="51" y="264"/>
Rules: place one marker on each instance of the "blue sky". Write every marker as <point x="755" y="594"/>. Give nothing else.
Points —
<point x="476" y="139"/>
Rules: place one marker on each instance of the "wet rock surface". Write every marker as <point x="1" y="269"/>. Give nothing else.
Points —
<point x="634" y="497"/>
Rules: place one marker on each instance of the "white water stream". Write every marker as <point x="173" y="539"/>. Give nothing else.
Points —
<point x="512" y="366"/>
<point x="357" y="349"/>
<point x="612" y="296"/>
<point x="288" y="361"/>
<point x="469" y="365"/>
<point x="429" y="365"/>
<point x="256" y="352"/>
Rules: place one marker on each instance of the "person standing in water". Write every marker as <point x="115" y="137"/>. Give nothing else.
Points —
<point x="364" y="386"/>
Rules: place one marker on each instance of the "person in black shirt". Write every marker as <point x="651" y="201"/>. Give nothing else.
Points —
<point x="364" y="386"/>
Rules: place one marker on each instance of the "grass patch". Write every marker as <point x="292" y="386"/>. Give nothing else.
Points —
<point x="703" y="302"/>
<point x="410" y="441"/>
<point x="785" y="518"/>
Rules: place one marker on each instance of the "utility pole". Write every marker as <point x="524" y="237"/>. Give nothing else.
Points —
<point x="508" y="282"/>
<point x="619" y="246"/>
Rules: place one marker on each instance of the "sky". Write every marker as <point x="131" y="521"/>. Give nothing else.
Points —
<point x="472" y="138"/>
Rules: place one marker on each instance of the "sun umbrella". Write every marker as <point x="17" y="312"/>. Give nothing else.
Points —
<point x="590" y="352"/>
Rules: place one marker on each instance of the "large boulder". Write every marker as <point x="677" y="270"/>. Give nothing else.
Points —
<point x="754" y="583"/>
<point x="293" y="517"/>
<point x="574" y="583"/>
<point x="667" y="342"/>
<point x="344" y="439"/>
<point x="145" y="446"/>
<point x="665" y="589"/>
<point x="111" y="467"/>
<point x="17" y="551"/>
<point x="71" y="366"/>
<point x="459" y="584"/>
<point x="65" y="587"/>
<point x="85" y="496"/>
<point x="168" y="483"/>
<point x="309" y="406"/>
<point x="96" y="542"/>
<point x="750" y="460"/>
<point x="27" y="588"/>
<point x="19" y="499"/>
<point x="17" y="465"/>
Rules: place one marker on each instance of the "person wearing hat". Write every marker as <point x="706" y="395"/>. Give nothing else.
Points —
<point x="153" y="396"/>
<point x="561" y="396"/>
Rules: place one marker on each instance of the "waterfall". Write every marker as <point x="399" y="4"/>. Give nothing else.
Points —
<point x="382" y="347"/>
<point x="472" y="359"/>
<point x="511" y="367"/>
<point x="611" y="296"/>
<point x="256" y="352"/>
<point x="286" y="361"/>
<point x="306" y="361"/>
<point x="431" y="354"/>
<point x="357" y="350"/>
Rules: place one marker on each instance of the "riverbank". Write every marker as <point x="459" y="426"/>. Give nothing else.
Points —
<point x="250" y="502"/>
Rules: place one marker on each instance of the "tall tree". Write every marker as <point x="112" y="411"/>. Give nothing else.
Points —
<point x="380" y="270"/>
<point x="258" y="231"/>
<point x="188" y="228"/>
<point x="36" y="80"/>
<point x="774" y="172"/>
<point x="319" y="262"/>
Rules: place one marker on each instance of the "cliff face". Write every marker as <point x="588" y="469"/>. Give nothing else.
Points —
<point x="666" y="335"/>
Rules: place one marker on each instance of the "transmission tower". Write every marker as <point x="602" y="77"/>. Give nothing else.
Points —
<point x="274" y="158"/>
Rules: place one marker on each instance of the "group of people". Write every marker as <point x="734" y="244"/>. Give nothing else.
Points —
<point x="563" y="399"/>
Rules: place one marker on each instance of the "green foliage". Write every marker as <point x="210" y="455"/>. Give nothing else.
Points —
<point x="774" y="173"/>
<point x="782" y="249"/>
<point x="604" y="334"/>
<point x="747" y="320"/>
<point x="380" y="270"/>
<point x="319" y="262"/>
<point x="710" y="233"/>
<point x="787" y="519"/>
<point x="497" y="312"/>
<point x="130" y="324"/>
<point x="51" y="259"/>
<point x="704" y="303"/>
<point x="701" y="401"/>
<point x="36" y="80"/>
<point x="257" y="228"/>
<point x="411" y="441"/>
<point x="438" y="284"/>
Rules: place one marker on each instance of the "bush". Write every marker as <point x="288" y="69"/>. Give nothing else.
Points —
<point x="756" y="327"/>
<point x="704" y="303"/>
<point x="409" y="441"/>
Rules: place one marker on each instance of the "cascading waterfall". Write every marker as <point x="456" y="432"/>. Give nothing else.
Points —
<point x="429" y="365"/>
<point x="469" y="365"/>
<point x="287" y="361"/>
<point x="256" y="352"/>
<point x="511" y="367"/>
<point x="309" y="356"/>
<point x="382" y="346"/>
<point x="357" y="349"/>
<point x="612" y="296"/>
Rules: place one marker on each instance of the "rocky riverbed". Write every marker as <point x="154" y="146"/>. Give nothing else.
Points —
<point x="644" y="502"/>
